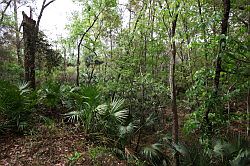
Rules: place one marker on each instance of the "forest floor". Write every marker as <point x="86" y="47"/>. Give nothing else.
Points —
<point x="55" y="146"/>
<point x="58" y="144"/>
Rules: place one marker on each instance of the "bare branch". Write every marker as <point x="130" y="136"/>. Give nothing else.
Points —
<point x="6" y="7"/>
<point x="44" y="5"/>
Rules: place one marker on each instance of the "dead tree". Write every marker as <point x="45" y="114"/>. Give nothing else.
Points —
<point x="29" y="37"/>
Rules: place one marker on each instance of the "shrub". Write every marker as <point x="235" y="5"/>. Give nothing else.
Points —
<point x="16" y="103"/>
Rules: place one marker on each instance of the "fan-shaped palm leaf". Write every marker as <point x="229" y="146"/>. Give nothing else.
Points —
<point x="73" y="116"/>
<point x="128" y="129"/>
<point x="23" y="87"/>
<point x="153" y="153"/>
<point x="117" y="111"/>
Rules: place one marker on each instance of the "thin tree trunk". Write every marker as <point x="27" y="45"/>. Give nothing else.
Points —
<point x="224" y="27"/>
<point x="248" y="94"/>
<point x="91" y="75"/>
<point x="205" y="40"/>
<point x="79" y="49"/>
<point x="218" y="68"/>
<point x="18" y="47"/>
<point x="65" y="63"/>
<point x="248" y="109"/>
<point x="175" y="131"/>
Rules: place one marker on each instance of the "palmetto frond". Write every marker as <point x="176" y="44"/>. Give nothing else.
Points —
<point x="23" y="87"/>
<point x="153" y="153"/>
<point x="117" y="110"/>
<point x="150" y="120"/>
<point x="113" y="111"/>
<point x="15" y="104"/>
<point x="128" y="129"/>
<point x="243" y="158"/>
<point x="73" y="116"/>
<point x="224" y="148"/>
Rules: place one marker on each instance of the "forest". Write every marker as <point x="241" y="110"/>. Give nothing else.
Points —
<point x="129" y="82"/>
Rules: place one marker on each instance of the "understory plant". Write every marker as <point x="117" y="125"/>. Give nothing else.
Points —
<point x="222" y="153"/>
<point x="104" y="118"/>
<point x="16" y="105"/>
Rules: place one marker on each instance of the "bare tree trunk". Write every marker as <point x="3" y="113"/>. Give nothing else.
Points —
<point x="205" y="40"/>
<point x="18" y="47"/>
<point x="29" y="35"/>
<point x="248" y="94"/>
<point x="91" y="74"/>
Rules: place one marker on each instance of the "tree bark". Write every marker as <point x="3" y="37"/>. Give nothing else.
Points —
<point x="248" y="109"/>
<point x="44" y="5"/>
<point x="175" y="131"/>
<point x="18" y="47"/>
<point x="218" y="68"/>
<point x="30" y="36"/>
<point x="224" y="27"/>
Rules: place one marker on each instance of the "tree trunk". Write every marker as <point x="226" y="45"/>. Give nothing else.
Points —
<point x="18" y="47"/>
<point x="173" y="88"/>
<point x="79" y="48"/>
<point x="65" y="63"/>
<point x="30" y="36"/>
<point x="248" y="109"/>
<point x="218" y="69"/>
<point x="224" y="27"/>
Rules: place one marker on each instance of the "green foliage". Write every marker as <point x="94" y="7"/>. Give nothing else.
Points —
<point x="124" y="65"/>
<point x="154" y="155"/>
<point x="73" y="159"/>
<point x="10" y="71"/>
<point x="16" y="104"/>
<point x="46" y="57"/>
<point x="104" y="118"/>
<point x="83" y="102"/>
<point x="222" y="153"/>
<point x="243" y="158"/>
<point x="48" y="122"/>
<point x="52" y="94"/>
<point x="192" y="154"/>
<point x="201" y="96"/>
<point x="75" y="156"/>
<point x="97" y="151"/>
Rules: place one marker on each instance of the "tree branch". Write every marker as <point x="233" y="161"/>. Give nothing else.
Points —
<point x="6" y="7"/>
<point x="79" y="45"/>
<point x="44" y="5"/>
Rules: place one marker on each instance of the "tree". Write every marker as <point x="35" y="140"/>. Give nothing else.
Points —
<point x="30" y="33"/>
<point x="222" y="46"/>
<point x="18" y="43"/>
<point x="79" y="48"/>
